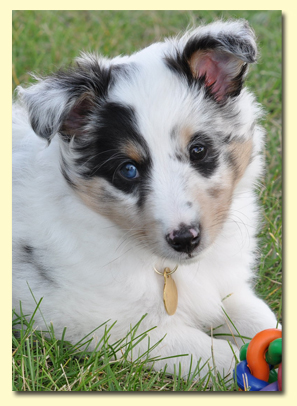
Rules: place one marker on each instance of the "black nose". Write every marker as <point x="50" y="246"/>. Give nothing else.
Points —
<point x="185" y="239"/>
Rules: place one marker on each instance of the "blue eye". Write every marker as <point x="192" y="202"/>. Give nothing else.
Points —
<point x="129" y="171"/>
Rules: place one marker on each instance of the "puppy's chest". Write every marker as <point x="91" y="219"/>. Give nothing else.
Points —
<point x="199" y="300"/>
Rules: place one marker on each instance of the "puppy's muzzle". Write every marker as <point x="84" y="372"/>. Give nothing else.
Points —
<point x="185" y="239"/>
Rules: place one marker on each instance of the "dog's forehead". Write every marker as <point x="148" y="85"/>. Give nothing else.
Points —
<point x="150" y="87"/>
<point x="163" y="103"/>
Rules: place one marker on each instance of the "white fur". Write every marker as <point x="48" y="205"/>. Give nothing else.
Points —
<point x="100" y="272"/>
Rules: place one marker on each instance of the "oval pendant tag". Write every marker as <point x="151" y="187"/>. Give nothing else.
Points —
<point x="170" y="296"/>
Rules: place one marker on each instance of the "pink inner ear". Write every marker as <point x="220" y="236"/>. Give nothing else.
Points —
<point x="76" y="119"/>
<point x="219" y="69"/>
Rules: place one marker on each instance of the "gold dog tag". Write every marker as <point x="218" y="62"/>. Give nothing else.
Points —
<point x="170" y="297"/>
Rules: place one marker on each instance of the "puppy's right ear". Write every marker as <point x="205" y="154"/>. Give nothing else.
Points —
<point x="63" y="102"/>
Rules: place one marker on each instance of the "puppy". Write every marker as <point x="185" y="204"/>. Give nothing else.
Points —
<point x="133" y="194"/>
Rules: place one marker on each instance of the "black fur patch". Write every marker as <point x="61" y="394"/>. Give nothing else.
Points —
<point x="209" y="164"/>
<point x="102" y="154"/>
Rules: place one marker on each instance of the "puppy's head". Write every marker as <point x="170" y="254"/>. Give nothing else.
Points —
<point x="158" y="141"/>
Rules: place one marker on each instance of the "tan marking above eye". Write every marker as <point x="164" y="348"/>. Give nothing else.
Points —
<point x="133" y="151"/>
<point x="186" y="135"/>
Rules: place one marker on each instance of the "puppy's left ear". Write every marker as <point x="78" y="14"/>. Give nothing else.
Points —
<point x="217" y="55"/>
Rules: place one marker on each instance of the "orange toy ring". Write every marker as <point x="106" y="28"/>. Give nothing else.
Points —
<point x="256" y="352"/>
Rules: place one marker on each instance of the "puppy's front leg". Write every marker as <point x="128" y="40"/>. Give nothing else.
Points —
<point x="248" y="313"/>
<point x="212" y="353"/>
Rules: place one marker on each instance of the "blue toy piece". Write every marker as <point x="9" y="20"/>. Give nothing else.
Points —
<point x="245" y="379"/>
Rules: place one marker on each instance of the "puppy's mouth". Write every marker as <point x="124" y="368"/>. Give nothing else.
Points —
<point x="171" y="259"/>
<point x="187" y="257"/>
<point x="180" y="257"/>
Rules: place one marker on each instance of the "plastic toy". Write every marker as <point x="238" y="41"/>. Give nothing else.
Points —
<point x="259" y="360"/>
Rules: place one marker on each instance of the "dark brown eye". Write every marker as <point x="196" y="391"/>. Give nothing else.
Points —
<point x="198" y="152"/>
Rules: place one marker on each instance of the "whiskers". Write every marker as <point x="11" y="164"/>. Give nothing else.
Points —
<point x="243" y="232"/>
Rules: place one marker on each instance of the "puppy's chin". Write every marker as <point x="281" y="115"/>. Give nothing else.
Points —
<point x="172" y="258"/>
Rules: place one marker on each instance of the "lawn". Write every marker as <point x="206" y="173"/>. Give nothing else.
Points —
<point x="46" y="40"/>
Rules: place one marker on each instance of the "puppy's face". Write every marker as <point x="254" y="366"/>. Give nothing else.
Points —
<point x="157" y="142"/>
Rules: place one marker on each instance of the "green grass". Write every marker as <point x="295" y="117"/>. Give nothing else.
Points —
<point x="43" y="363"/>
<point x="46" y="40"/>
